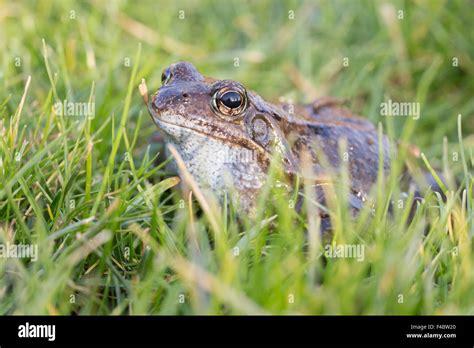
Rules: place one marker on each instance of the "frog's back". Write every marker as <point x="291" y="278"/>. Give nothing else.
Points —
<point x="322" y="125"/>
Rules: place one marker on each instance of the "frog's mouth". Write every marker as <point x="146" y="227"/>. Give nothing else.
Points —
<point x="174" y="124"/>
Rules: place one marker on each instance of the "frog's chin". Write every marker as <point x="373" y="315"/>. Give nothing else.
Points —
<point x="171" y="130"/>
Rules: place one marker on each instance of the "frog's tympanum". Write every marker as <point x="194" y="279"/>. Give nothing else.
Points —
<point x="227" y="135"/>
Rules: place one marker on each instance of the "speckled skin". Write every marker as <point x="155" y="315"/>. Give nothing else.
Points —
<point x="227" y="153"/>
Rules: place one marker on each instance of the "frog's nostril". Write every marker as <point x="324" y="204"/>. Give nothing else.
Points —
<point x="185" y="95"/>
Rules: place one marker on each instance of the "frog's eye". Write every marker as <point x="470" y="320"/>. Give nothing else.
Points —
<point x="230" y="102"/>
<point x="166" y="76"/>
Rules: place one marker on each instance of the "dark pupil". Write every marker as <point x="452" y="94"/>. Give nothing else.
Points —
<point x="231" y="99"/>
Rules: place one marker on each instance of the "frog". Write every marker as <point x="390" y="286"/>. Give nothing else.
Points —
<point x="228" y="136"/>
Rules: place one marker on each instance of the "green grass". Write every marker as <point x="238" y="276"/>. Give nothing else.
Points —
<point x="115" y="233"/>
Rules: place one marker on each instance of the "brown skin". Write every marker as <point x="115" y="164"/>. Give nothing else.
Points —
<point x="213" y="122"/>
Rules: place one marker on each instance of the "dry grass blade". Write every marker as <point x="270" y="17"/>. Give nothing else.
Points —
<point x="16" y="122"/>
<point x="211" y="211"/>
<point x="193" y="273"/>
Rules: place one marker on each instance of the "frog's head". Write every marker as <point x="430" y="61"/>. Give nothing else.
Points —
<point x="199" y="114"/>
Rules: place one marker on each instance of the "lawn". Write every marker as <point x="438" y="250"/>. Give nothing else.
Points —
<point x="117" y="233"/>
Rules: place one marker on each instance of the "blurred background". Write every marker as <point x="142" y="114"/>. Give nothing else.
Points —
<point x="365" y="51"/>
<point x="72" y="182"/>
